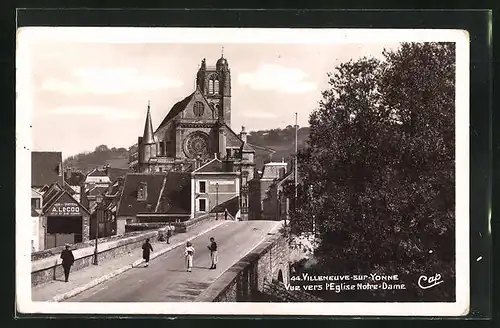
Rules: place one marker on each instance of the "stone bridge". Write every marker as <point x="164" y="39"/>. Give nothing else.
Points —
<point x="259" y="276"/>
<point x="254" y="266"/>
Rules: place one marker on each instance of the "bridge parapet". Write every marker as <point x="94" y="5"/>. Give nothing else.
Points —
<point x="49" y="268"/>
<point x="245" y="280"/>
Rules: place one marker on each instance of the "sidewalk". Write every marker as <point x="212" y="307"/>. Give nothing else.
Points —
<point x="93" y="275"/>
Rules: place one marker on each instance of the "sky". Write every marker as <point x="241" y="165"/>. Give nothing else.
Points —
<point x="82" y="87"/>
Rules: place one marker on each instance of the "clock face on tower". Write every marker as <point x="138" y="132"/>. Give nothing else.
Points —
<point x="196" y="144"/>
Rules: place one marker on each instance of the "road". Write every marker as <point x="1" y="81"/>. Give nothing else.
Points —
<point x="166" y="278"/>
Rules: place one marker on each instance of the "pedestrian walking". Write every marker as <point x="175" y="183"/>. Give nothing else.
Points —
<point x="146" y="251"/>
<point x="67" y="261"/>
<point x="189" y="253"/>
<point x="169" y="233"/>
<point x="213" y="253"/>
<point x="225" y="213"/>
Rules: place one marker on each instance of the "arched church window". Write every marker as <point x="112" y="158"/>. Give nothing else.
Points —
<point x="198" y="108"/>
<point x="216" y="86"/>
<point x="210" y="86"/>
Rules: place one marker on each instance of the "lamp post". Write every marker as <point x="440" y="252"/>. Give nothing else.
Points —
<point x="98" y="214"/>
<point x="217" y="201"/>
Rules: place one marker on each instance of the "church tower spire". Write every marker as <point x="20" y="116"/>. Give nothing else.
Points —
<point x="148" y="128"/>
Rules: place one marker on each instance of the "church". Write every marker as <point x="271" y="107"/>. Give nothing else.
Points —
<point x="196" y="131"/>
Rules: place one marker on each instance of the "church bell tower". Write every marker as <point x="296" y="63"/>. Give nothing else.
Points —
<point x="215" y="84"/>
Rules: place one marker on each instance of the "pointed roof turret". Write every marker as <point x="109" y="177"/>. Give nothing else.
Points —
<point x="148" y="128"/>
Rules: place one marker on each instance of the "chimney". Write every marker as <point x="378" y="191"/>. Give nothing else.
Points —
<point x="83" y="196"/>
<point x="243" y="134"/>
<point x="67" y="174"/>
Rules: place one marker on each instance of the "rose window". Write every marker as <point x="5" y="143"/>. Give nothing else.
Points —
<point x="197" y="144"/>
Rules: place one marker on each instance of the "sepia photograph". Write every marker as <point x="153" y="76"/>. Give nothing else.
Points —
<point x="325" y="171"/>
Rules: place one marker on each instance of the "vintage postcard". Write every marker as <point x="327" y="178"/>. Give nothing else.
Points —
<point x="325" y="171"/>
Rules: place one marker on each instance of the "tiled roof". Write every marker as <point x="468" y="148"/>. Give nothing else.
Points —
<point x="232" y="139"/>
<point x="46" y="168"/>
<point x="176" y="109"/>
<point x="129" y="205"/>
<point x="97" y="173"/>
<point x="99" y="190"/>
<point x="68" y="188"/>
<point x="62" y="194"/>
<point x="232" y="205"/>
<point x="272" y="170"/>
<point x="215" y="165"/>
<point x="176" y="194"/>
<point x="115" y="173"/>
<point x="53" y="190"/>
<point x="75" y="179"/>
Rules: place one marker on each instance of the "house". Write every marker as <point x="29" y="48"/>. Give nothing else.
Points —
<point x="175" y="196"/>
<point x="63" y="218"/>
<point x="37" y="238"/>
<point x="264" y="190"/>
<point x="46" y="168"/>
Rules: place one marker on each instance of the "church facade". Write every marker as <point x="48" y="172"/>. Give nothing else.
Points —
<point x="196" y="130"/>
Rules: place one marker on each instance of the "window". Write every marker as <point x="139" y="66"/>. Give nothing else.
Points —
<point x="35" y="203"/>
<point x="198" y="108"/>
<point x="202" y="187"/>
<point x="202" y="205"/>
<point x="162" y="148"/>
<point x="211" y="87"/>
<point x="216" y="86"/>
<point x="142" y="192"/>
<point x="228" y="152"/>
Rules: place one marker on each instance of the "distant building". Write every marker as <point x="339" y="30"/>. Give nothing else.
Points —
<point x="57" y="217"/>
<point x="63" y="219"/>
<point x="98" y="177"/>
<point x="265" y="191"/>
<point x="46" y="168"/>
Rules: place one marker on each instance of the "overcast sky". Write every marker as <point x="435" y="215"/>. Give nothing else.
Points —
<point x="84" y="90"/>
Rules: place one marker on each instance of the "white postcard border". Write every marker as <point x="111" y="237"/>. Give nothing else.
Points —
<point x="24" y="143"/>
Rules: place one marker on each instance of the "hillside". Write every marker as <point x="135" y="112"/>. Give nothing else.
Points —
<point x="102" y="155"/>
<point x="280" y="140"/>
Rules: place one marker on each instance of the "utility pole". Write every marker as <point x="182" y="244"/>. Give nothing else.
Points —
<point x="217" y="200"/>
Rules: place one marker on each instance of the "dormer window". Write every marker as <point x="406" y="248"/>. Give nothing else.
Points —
<point x="142" y="192"/>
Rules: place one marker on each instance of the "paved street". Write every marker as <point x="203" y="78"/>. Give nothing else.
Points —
<point x="166" y="279"/>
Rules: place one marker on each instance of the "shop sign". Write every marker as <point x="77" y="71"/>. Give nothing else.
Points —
<point x="222" y="182"/>
<point x="65" y="209"/>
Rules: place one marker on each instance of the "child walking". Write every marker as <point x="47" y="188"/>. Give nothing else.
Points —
<point x="189" y="253"/>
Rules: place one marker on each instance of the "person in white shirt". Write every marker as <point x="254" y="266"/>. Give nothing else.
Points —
<point x="189" y="253"/>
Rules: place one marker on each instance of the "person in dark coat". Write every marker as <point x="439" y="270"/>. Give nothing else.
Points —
<point x="169" y="234"/>
<point x="213" y="253"/>
<point x="225" y="213"/>
<point x="67" y="261"/>
<point x="146" y="251"/>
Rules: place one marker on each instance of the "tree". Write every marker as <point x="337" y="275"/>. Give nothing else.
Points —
<point x="378" y="171"/>
<point x="101" y="148"/>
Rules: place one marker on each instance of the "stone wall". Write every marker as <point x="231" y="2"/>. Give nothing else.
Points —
<point x="180" y="227"/>
<point x="48" y="268"/>
<point x="244" y="281"/>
